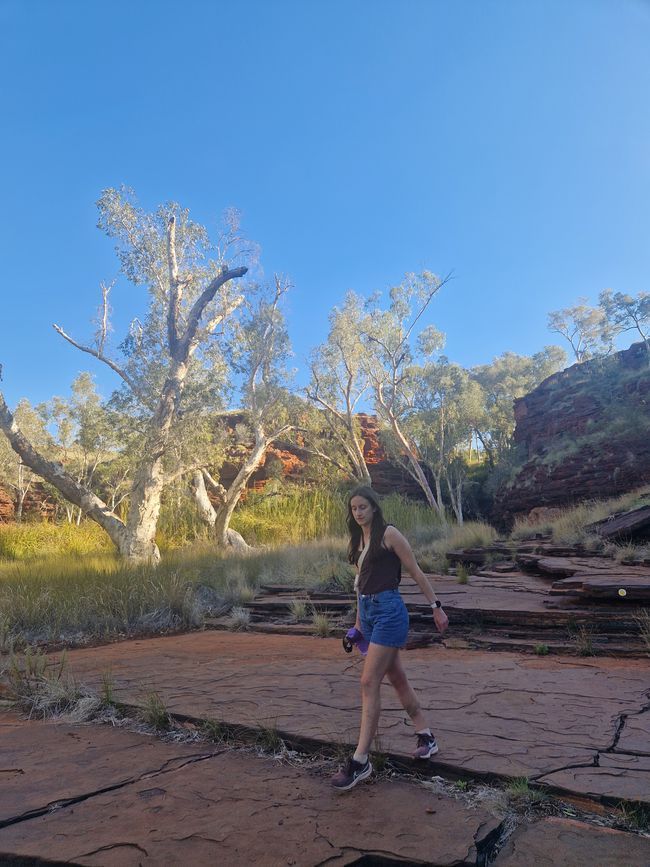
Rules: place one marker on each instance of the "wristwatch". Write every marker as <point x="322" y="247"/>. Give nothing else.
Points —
<point x="436" y="604"/>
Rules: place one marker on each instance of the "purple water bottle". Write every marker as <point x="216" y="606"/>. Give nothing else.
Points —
<point x="354" y="638"/>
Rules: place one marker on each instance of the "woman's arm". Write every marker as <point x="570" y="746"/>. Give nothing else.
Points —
<point x="396" y="542"/>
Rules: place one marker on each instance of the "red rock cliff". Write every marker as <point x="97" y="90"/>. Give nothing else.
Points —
<point x="584" y="433"/>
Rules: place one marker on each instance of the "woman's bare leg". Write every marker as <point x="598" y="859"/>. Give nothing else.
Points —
<point x="397" y="677"/>
<point x="378" y="661"/>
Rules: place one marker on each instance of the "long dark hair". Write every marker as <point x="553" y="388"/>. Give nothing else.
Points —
<point x="376" y="528"/>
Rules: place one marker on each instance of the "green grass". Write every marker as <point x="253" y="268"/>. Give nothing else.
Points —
<point x="60" y="583"/>
<point x="520" y="792"/>
<point x="298" y="609"/>
<point x="303" y="515"/>
<point x="569" y="527"/>
<point x="154" y="713"/>
<point x="321" y="622"/>
<point x="41" y="539"/>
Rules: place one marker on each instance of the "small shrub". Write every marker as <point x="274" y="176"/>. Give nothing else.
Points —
<point x="642" y="618"/>
<point x="583" y="641"/>
<point x="298" y="609"/>
<point x="154" y="713"/>
<point x="462" y="574"/>
<point x="269" y="740"/>
<point x="44" y="688"/>
<point x="541" y="649"/>
<point x="107" y="691"/>
<point x="635" y="816"/>
<point x="520" y="792"/>
<point x="461" y="785"/>
<point x="215" y="730"/>
<point x="239" y="619"/>
<point x="322" y="625"/>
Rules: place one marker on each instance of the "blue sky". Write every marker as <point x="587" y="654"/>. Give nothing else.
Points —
<point x="506" y="140"/>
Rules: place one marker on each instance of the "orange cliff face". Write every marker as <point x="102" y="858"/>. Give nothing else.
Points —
<point x="373" y="451"/>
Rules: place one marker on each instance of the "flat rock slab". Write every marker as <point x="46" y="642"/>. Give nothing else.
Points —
<point x="43" y="764"/>
<point x="175" y="805"/>
<point x="504" y="714"/>
<point x="554" y="842"/>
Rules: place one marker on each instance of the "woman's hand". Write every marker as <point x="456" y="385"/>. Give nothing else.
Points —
<point x="440" y="619"/>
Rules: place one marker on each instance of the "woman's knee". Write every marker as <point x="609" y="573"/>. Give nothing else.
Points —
<point x="398" y="679"/>
<point x="370" y="682"/>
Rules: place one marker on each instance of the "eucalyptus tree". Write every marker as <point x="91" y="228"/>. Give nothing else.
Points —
<point x="506" y="378"/>
<point x="447" y="404"/>
<point x="15" y="473"/>
<point x="627" y="313"/>
<point x="339" y="382"/>
<point x="586" y="329"/>
<point x="170" y="364"/>
<point x="259" y="351"/>
<point x="390" y="359"/>
<point x="86" y="436"/>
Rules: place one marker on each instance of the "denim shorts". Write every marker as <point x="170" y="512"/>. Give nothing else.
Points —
<point x="384" y="619"/>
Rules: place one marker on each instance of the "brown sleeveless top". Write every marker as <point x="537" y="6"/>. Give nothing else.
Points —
<point x="384" y="572"/>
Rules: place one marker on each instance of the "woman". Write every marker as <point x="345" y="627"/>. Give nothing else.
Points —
<point x="379" y="552"/>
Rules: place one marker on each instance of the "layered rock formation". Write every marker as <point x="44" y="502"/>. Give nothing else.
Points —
<point x="584" y="433"/>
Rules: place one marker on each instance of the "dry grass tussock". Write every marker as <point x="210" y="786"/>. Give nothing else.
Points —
<point x="44" y="688"/>
<point x="642" y="619"/>
<point x="569" y="528"/>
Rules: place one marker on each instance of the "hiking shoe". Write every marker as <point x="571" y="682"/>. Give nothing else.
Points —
<point x="351" y="774"/>
<point x="426" y="747"/>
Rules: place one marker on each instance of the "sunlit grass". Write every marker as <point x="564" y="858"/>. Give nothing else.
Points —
<point x="41" y="539"/>
<point x="569" y="527"/>
<point x="74" y="592"/>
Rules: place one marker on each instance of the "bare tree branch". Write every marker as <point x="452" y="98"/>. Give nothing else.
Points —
<point x="100" y="355"/>
<point x="188" y="343"/>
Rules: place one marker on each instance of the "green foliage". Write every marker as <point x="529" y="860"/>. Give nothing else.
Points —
<point x="627" y="312"/>
<point x="339" y="380"/>
<point x="586" y="328"/>
<point x="505" y="379"/>
<point x="541" y="649"/>
<point x="462" y="574"/>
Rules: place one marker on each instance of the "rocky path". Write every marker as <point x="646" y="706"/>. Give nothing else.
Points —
<point x="581" y="725"/>
<point x="96" y="795"/>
